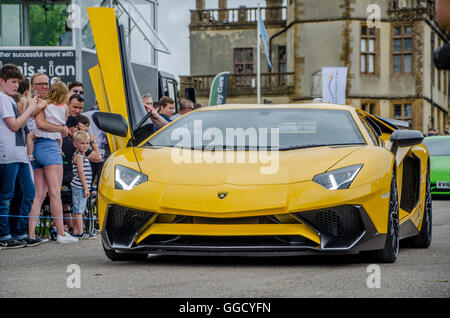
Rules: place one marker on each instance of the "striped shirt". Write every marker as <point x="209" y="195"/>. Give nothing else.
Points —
<point x="76" y="182"/>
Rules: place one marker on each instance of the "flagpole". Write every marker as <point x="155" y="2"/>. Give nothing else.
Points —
<point x="258" y="58"/>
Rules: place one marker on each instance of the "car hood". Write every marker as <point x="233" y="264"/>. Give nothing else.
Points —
<point x="163" y="164"/>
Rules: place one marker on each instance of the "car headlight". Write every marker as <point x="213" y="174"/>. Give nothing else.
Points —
<point x="338" y="179"/>
<point x="126" y="178"/>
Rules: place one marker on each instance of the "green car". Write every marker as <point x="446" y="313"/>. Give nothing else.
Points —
<point x="439" y="149"/>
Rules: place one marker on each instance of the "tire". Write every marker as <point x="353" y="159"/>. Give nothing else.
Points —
<point x="390" y="252"/>
<point x="424" y="238"/>
<point x="114" y="256"/>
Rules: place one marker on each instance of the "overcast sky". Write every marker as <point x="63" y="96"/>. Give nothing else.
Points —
<point x="174" y="18"/>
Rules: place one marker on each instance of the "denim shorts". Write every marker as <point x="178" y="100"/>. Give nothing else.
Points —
<point x="78" y="200"/>
<point x="46" y="153"/>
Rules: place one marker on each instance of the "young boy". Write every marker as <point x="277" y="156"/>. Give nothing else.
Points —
<point x="81" y="182"/>
<point x="14" y="164"/>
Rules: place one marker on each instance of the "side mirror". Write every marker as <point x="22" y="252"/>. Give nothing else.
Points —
<point x="405" y="138"/>
<point x="111" y="123"/>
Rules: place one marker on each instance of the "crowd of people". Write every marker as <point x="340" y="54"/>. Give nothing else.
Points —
<point x="47" y="144"/>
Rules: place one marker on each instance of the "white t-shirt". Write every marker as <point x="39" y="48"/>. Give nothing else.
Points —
<point x="55" y="114"/>
<point x="12" y="144"/>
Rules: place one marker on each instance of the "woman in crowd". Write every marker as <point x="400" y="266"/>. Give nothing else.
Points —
<point x="47" y="163"/>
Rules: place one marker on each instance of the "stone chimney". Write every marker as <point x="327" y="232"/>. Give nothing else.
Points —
<point x="274" y="3"/>
<point x="223" y="10"/>
<point x="273" y="11"/>
<point x="200" y="4"/>
<point x="223" y="4"/>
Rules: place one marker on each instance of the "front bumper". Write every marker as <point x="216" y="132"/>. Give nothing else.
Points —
<point x="345" y="229"/>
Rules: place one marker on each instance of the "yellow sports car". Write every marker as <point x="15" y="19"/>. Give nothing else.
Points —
<point x="252" y="180"/>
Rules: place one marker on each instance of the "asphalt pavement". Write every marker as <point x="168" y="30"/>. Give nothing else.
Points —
<point x="82" y="270"/>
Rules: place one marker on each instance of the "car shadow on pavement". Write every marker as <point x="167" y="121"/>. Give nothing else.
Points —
<point x="227" y="261"/>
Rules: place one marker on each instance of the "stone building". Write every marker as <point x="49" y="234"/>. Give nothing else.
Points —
<point x="387" y="46"/>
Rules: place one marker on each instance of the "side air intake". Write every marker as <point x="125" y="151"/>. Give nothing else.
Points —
<point x="339" y="227"/>
<point x="122" y="224"/>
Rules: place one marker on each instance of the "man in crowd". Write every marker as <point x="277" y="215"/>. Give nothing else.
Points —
<point x="185" y="107"/>
<point x="76" y="88"/>
<point x="147" y="99"/>
<point x="158" y="120"/>
<point x="75" y="106"/>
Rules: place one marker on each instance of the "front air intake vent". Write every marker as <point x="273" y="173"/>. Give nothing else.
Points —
<point x="338" y="226"/>
<point x="123" y="223"/>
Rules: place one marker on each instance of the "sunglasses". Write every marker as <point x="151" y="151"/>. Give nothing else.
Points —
<point x="79" y="97"/>
<point x="41" y="84"/>
<point x="78" y="91"/>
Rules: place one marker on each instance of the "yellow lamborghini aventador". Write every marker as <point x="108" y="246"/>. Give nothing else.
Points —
<point x="252" y="179"/>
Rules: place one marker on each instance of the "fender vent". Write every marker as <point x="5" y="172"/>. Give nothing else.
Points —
<point x="410" y="183"/>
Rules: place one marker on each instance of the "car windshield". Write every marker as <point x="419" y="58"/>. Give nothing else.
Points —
<point x="438" y="146"/>
<point x="260" y="128"/>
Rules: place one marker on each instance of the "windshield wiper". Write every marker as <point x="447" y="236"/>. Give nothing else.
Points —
<point x="315" y="145"/>
<point x="303" y="146"/>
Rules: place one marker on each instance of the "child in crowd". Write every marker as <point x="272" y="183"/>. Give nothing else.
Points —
<point x="30" y="144"/>
<point x="81" y="182"/>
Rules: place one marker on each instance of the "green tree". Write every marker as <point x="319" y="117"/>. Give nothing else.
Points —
<point x="47" y="24"/>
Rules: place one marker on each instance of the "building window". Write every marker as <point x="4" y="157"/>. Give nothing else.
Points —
<point x="11" y="24"/>
<point x="403" y="111"/>
<point x="402" y="49"/>
<point x="445" y="82"/>
<point x="243" y="61"/>
<point x="243" y="65"/>
<point x="439" y="72"/>
<point x="370" y="107"/>
<point x="282" y="64"/>
<point x="369" y="49"/>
